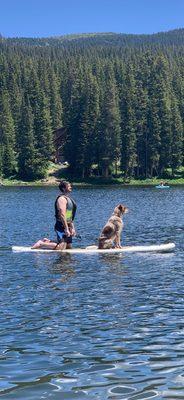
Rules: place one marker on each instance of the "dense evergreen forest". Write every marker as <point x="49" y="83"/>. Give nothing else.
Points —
<point x="120" y="98"/>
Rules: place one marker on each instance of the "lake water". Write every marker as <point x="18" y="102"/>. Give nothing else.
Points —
<point x="92" y="326"/>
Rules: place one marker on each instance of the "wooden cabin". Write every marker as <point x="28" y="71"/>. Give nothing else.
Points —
<point x="60" y="136"/>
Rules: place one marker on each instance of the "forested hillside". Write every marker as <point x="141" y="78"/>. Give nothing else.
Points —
<point x="120" y="97"/>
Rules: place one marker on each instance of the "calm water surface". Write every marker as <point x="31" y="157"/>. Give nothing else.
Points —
<point x="92" y="326"/>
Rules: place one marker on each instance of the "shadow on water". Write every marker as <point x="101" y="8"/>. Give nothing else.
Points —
<point x="62" y="266"/>
<point x="115" y="263"/>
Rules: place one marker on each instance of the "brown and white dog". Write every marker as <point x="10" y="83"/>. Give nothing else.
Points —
<point x="111" y="232"/>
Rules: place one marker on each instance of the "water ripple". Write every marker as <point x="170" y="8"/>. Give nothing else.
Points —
<point x="98" y="327"/>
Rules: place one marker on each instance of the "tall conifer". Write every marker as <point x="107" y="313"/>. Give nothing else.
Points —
<point x="7" y="130"/>
<point x="30" y="163"/>
<point x="110" y="126"/>
<point x="128" y="126"/>
<point x="177" y="136"/>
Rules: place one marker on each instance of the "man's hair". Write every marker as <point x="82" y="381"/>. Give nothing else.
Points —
<point x="62" y="185"/>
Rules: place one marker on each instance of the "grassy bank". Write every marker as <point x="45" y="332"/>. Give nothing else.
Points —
<point x="92" y="182"/>
<point x="57" y="172"/>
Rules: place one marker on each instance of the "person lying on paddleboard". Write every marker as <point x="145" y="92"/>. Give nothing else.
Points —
<point x="65" y="209"/>
<point x="162" y="183"/>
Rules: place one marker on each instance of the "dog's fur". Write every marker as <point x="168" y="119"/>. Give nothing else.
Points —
<point x="111" y="232"/>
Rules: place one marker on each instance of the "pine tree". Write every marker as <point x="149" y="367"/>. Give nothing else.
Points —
<point x="162" y="93"/>
<point x="7" y="130"/>
<point x="86" y="144"/>
<point x="30" y="162"/>
<point x="129" y="140"/>
<point x="177" y="136"/>
<point x="1" y="154"/>
<point x="42" y="127"/>
<point x="110" y="125"/>
<point x="73" y="122"/>
<point x="159" y="126"/>
<point x="56" y="110"/>
<point x="178" y="93"/>
<point x="142" y="81"/>
<point x="141" y="114"/>
<point x="153" y="139"/>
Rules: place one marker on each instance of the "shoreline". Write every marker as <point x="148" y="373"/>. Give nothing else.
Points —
<point x="57" y="172"/>
<point x="92" y="183"/>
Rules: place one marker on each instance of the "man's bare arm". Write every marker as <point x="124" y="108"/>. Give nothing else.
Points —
<point x="62" y="204"/>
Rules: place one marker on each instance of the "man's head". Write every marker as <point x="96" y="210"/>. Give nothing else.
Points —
<point x="65" y="186"/>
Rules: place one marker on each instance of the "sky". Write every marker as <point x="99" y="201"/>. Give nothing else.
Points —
<point x="45" y="18"/>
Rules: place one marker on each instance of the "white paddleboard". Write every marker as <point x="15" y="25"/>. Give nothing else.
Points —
<point x="162" y="187"/>
<point x="94" y="249"/>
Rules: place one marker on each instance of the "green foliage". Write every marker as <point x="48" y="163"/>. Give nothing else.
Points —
<point x="120" y="98"/>
<point x="32" y="165"/>
<point x="1" y="160"/>
<point x="7" y="141"/>
<point x="129" y="140"/>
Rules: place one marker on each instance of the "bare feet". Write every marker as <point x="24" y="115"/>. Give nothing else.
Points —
<point x="37" y="245"/>
<point x="49" y="244"/>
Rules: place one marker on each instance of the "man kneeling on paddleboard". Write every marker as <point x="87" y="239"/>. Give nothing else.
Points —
<point x="65" y="209"/>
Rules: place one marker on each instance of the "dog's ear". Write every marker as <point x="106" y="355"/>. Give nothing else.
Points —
<point x="123" y="209"/>
<point x="118" y="210"/>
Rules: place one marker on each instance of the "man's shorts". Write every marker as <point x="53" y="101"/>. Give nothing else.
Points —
<point x="61" y="237"/>
<point x="60" y="232"/>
